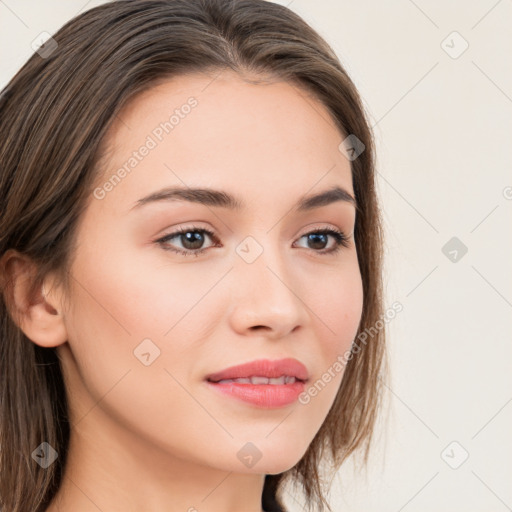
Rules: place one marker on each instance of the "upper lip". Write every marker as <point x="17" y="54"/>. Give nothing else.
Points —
<point x="264" y="368"/>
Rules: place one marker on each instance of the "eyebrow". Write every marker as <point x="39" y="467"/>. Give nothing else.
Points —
<point x="221" y="199"/>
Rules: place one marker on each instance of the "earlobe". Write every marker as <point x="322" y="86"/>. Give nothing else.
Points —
<point x="36" y="312"/>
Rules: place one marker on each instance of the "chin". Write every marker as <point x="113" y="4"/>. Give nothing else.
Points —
<point x="279" y="462"/>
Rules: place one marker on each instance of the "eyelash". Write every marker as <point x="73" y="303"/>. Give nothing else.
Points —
<point x="340" y="238"/>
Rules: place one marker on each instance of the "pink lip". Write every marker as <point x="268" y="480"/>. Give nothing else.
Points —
<point x="263" y="395"/>
<point x="268" y="396"/>
<point x="263" y="368"/>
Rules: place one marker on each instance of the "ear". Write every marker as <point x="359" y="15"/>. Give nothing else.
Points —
<point x="37" y="312"/>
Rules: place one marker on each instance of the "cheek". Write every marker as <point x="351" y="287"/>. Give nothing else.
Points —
<point x="116" y="306"/>
<point x="126" y="305"/>
<point x="144" y="297"/>
<point x="337" y="302"/>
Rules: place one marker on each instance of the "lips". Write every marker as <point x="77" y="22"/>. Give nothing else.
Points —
<point x="264" y="368"/>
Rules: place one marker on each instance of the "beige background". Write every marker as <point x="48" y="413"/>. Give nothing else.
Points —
<point x="443" y="127"/>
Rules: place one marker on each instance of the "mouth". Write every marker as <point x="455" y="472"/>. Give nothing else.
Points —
<point x="263" y="383"/>
<point x="260" y="380"/>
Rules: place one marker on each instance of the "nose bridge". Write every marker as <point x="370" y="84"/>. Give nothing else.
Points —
<point x="262" y="260"/>
<point x="267" y="292"/>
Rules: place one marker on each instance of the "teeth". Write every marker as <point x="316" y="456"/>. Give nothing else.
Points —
<point x="261" y="380"/>
<point x="243" y="380"/>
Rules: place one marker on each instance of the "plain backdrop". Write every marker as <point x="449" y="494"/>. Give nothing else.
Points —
<point x="436" y="80"/>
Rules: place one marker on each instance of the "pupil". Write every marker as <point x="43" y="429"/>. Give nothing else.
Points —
<point x="194" y="238"/>
<point x="315" y="237"/>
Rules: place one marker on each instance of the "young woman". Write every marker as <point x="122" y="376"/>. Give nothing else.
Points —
<point x="190" y="246"/>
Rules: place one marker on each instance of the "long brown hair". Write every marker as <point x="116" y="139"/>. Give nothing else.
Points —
<point x="54" y="114"/>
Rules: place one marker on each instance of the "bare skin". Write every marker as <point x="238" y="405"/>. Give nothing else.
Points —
<point x="156" y="437"/>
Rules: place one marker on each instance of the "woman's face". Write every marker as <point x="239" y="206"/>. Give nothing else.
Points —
<point x="148" y="325"/>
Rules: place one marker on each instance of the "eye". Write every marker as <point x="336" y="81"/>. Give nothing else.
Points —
<point x="192" y="240"/>
<point x="319" y="238"/>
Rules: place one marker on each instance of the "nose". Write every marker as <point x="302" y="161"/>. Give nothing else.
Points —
<point x="266" y="297"/>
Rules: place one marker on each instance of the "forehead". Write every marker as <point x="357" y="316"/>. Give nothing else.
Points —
<point x="220" y="131"/>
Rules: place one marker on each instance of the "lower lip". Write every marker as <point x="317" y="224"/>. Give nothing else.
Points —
<point x="263" y="395"/>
